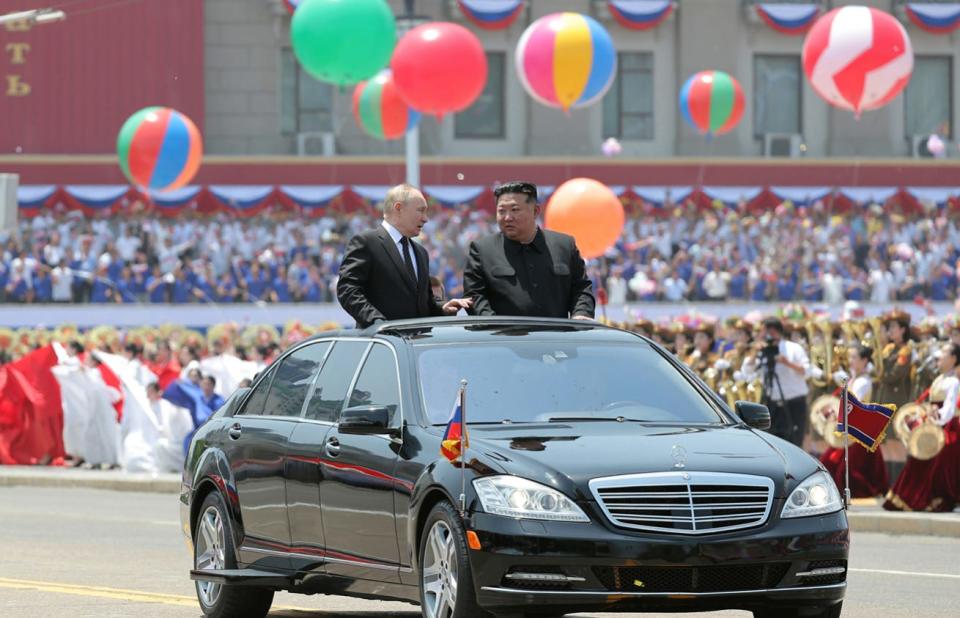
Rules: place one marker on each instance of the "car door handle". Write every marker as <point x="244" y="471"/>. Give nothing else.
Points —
<point x="332" y="447"/>
<point x="235" y="431"/>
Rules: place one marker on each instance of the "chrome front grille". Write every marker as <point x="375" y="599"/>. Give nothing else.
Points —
<point x="684" y="502"/>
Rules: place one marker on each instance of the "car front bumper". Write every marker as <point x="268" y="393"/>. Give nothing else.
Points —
<point x="601" y="568"/>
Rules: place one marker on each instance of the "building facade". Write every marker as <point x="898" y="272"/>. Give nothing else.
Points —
<point x="258" y="101"/>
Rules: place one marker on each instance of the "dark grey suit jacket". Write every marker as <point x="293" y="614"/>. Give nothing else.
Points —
<point x="375" y="284"/>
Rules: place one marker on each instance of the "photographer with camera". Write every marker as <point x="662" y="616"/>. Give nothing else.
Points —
<point x="782" y="365"/>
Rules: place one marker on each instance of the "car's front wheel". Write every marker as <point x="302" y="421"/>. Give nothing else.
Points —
<point x="213" y="550"/>
<point x="446" y="583"/>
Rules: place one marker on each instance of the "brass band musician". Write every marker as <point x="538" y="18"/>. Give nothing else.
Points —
<point x="895" y="360"/>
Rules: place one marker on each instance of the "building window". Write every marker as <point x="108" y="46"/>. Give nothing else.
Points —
<point x="628" y="106"/>
<point x="777" y="88"/>
<point x="306" y="104"/>
<point x="928" y="99"/>
<point x="485" y="118"/>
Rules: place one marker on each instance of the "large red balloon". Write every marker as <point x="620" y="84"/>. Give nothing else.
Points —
<point x="439" y="68"/>
<point x="589" y="211"/>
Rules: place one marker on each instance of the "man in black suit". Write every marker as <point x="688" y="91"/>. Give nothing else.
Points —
<point x="525" y="270"/>
<point x="385" y="275"/>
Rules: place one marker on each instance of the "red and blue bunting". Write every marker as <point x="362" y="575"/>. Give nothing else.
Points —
<point x="32" y="199"/>
<point x="316" y="200"/>
<point x="172" y="203"/>
<point x="792" y="19"/>
<point x="491" y="14"/>
<point x="640" y="14"/>
<point x="937" y="18"/>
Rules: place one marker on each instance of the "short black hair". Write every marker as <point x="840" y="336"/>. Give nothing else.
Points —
<point x="774" y="323"/>
<point x="517" y="186"/>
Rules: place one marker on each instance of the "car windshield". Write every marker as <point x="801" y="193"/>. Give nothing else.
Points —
<point x="546" y="381"/>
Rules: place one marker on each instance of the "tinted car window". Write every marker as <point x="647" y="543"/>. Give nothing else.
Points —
<point x="537" y="381"/>
<point x="258" y="397"/>
<point x="334" y="380"/>
<point x="293" y="379"/>
<point x="377" y="384"/>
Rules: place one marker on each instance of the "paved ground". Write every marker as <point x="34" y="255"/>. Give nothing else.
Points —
<point x="98" y="553"/>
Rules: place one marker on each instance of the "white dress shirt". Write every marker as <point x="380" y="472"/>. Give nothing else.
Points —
<point x="949" y="387"/>
<point x="792" y="383"/>
<point x="397" y="238"/>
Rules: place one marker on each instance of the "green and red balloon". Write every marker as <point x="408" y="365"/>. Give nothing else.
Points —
<point x="380" y="110"/>
<point x="159" y="148"/>
<point x="712" y="102"/>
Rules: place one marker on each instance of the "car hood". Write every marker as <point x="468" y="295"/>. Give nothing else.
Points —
<point x="567" y="455"/>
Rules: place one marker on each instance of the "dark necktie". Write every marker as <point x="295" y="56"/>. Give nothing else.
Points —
<point x="405" y="243"/>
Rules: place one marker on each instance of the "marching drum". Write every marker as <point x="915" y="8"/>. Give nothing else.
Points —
<point x="823" y="419"/>
<point x="915" y="426"/>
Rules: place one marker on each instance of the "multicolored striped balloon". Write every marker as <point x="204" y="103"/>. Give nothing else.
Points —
<point x="566" y="60"/>
<point x="380" y="110"/>
<point x="159" y="148"/>
<point x="712" y="102"/>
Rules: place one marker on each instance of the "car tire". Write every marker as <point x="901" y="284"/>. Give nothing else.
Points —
<point x="829" y="611"/>
<point x="213" y="548"/>
<point x="445" y="579"/>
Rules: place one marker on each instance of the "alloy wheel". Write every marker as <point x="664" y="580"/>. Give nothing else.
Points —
<point x="439" y="579"/>
<point x="209" y="553"/>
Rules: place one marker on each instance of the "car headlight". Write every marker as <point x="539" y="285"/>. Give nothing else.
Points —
<point x="816" y="495"/>
<point x="513" y="496"/>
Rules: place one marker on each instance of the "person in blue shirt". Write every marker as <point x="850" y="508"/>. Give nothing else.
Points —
<point x="208" y="383"/>
<point x="786" y="286"/>
<point x="43" y="286"/>
<point x="258" y="282"/>
<point x="101" y="288"/>
<point x="313" y="290"/>
<point x="204" y="284"/>
<point x="125" y="293"/>
<point x="157" y="286"/>
<point x="182" y="289"/>
<point x="226" y="291"/>
<point x="280" y="289"/>
<point x="738" y="284"/>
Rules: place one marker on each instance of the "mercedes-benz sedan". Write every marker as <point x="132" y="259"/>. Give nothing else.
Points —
<point x="600" y="475"/>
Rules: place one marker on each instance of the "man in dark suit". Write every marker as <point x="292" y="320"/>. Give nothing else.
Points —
<point x="525" y="270"/>
<point x="385" y="275"/>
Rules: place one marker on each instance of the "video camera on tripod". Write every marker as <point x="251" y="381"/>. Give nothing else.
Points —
<point x="769" y="353"/>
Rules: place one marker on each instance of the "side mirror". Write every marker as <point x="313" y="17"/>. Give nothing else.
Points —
<point x="366" y="420"/>
<point x="755" y="415"/>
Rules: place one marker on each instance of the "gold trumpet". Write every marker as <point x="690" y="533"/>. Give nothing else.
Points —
<point x="820" y="336"/>
<point x="915" y="425"/>
<point x="877" y="342"/>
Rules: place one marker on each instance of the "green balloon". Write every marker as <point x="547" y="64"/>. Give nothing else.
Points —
<point x="343" y="41"/>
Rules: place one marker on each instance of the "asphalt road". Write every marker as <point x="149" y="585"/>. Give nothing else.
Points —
<point x="81" y="552"/>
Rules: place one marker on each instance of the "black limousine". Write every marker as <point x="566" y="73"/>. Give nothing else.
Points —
<point x="600" y="475"/>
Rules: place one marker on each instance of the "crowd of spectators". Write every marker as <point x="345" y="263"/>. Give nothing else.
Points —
<point x="790" y="254"/>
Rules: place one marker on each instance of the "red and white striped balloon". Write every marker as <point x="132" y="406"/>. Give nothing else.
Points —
<point x="857" y="58"/>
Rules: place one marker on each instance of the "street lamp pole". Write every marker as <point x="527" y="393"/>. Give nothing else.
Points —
<point x="412" y="139"/>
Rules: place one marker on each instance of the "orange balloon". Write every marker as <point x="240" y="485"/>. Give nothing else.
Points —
<point x="589" y="211"/>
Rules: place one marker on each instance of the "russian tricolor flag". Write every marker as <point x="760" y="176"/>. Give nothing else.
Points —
<point x="491" y="14"/>
<point x="788" y="18"/>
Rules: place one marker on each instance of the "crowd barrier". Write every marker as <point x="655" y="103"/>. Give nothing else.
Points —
<point x="203" y="316"/>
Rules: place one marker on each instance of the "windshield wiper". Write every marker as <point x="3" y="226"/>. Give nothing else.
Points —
<point x="561" y="419"/>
